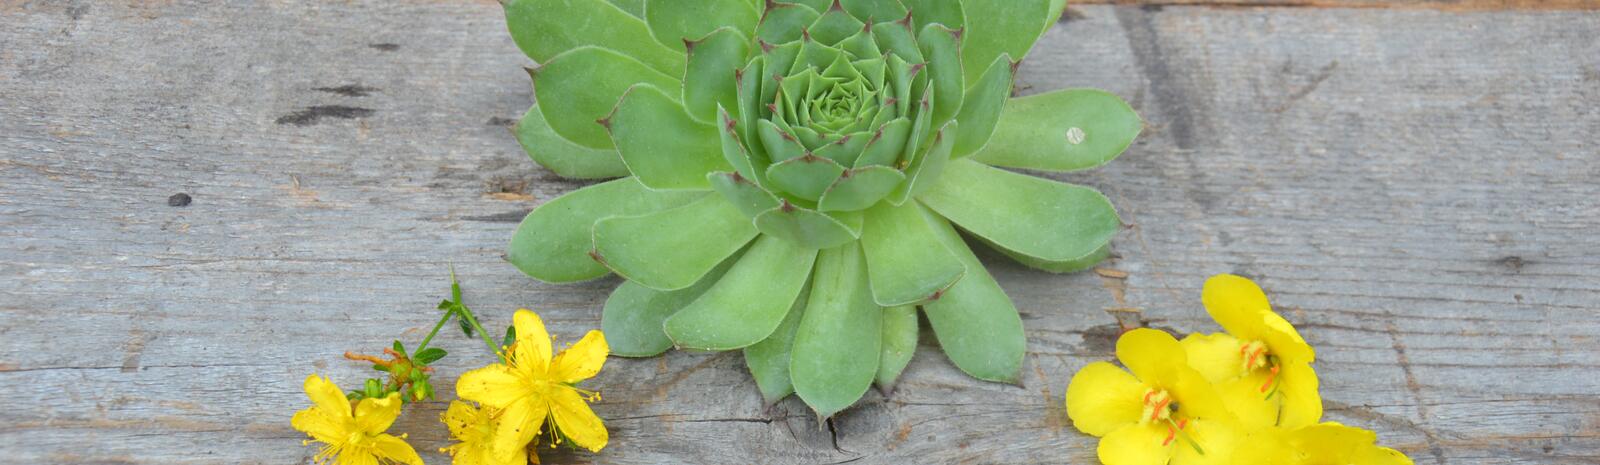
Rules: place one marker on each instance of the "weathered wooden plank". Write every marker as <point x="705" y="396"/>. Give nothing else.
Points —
<point x="1414" y="188"/>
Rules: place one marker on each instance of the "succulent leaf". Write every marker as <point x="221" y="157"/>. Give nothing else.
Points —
<point x="1002" y="27"/>
<point x="633" y="7"/>
<point x="710" y="81"/>
<point x="869" y="10"/>
<point x="859" y="188"/>
<point x="946" y="12"/>
<point x="581" y="86"/>
<point x="751" y="199"/>
<point x="768" y="360"/>
<point x="785" y="22"/>
<point x="834" y="25"/>
<point x="1034" y="217"/>
<point x="807" y="176"/>
<point x="940" y="46"/>
<point x="561" y="156"/>
<point x="552" y="243"/>
<point x="747" y="305"/>
<point x="673" y="22"/>
<point x="926" y="166"/>
<point x="544" y="29"/>
<point x="807" y="227"/>
<point x="1064" y="130"/>
<point x="661" y="144"/>
<point x="633" y="314"/>
<point x="836" y="348"/>
<point x="985" y="101"/>
<point x="977" y="326"/>
<point x="672" y="249"/>
<point x="899" y="344"/>
<point x="906" y="262"/>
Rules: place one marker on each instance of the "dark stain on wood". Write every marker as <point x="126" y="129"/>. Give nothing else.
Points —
<point x="387" y="47"/>
<point x="349" y="90"/>
<point x="179" y="200"/>
<point x="311" y="115"/>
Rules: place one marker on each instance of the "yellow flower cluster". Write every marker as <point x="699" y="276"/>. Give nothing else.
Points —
<point x="1246" y="396"/>
<point x="352" y="434"/>
<point x="516" y="399"/>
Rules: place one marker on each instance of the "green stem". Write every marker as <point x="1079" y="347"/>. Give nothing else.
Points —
<point x="442" y="320"/>
<point x="473" y="320"/>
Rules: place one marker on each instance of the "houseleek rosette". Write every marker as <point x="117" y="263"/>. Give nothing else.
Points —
<point x="793" y="176"/>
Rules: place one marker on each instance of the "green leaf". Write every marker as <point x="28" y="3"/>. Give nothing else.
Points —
<point x="780" y="145"/>
<point x="553" y="242"/>
<point x="806" y="227"/>
<point x="401" y="348"/>
<point x="768" y="360"/>
<point x="845" y="150"/>
<point x="807" y="176"/>
<point x="750" y="108"/>
<point x="429" y="355"/>
<point x="633" y="314"/>
<point x="905" y="260"/>
<point x="833" y="26"/>
<point x="750" y="165"/>
<point x="751" y="199"/>
<point x="561" y="156"/>
<point x="711" y="80"/>
<point x="860" y="188"/>
<point x="946" y="12"/>
<point x="671" y="249"/>
<point x="874" y="10"/>
<point x="899" y="344"/>
<point x="510" y="337"/>
<point x="1059" y="266"/>
<point x="985" y="100"/>
<point x="546" y="28"/>
<point x="1038" y="218"/>
<point x="886" y="145"/>
<point x="899" y="39"/>
<point x="836" y="347"/>
<point x="940" y="45"/>
<point x="927" y="166"/>
<point x="466" y="327"/>
<point x="674" y="21"/>
<point x="749" y="302"/>
<point x="976" y="324"/>
<point x="579" y="87"/>
<point x="634" y="8"/>
<point x="784" y="22"/>
<point x="661" y="144"/>
<point x="1063" y="130"/>
<point x="996" y="27"/>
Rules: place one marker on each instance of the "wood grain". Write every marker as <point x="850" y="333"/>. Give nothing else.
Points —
<point x="1414" y="188"/>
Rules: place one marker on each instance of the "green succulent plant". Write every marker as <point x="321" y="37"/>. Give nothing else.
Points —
<point x="793" y="176"/>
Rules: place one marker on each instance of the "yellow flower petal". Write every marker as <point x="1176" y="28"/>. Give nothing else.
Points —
<point x="520" y="422"/>
<point x="395" y="449"/>
<point x="460" y="418"/>
<point x="1152" y="355"/>
<point x="1135" y="444"/>
<point x="319" y="425"/>
<point x="1197" y="398"/>
<point x="1217" y="439"/>
<point x="576" y="421"/>
<point x="1243" y="397"/>
<point x="375" y="415"/>
<point x="327" y="396"/>
<point x="1302" y="405"/>
<point x="1235" y="303"/>
<point x="532" y="349"/>
<point x="494" y="385"/>
<point x="581" y="361"/>
<point x="1216" y="356"/>
<point x="1102" y="398"/>
<point x="1284" y="341"/>
<point x="1331" y="443"/>
<point x="1383" y="456"/>
<point x="1265" y="447"/>
<point x="356" y="459"/>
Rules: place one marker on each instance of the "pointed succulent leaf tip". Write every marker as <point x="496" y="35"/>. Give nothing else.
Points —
<point x="837" y="346"/>
<point x="583" y="85"/>
<point x="906" y="261"/>
<point x="553" y="242"/>
<point x="976" y="324"/>
<point x="1063" y="130"/>
<point x="633" y="315"/>
<point x="806" y="227"/>
<point x="545" y="29"/>
<point x="749" y="303"/>
<point x="672" y="22"/>
<point x="1043" y="219"/>
<point x="672" y="249"/>
<point x="661" y="144"/>
<point x="567" y="159"/>
<point x="807" y="176"/>
<point x="996" y="27"/>
<point x="751" y="199"/>
<point x="899" y="344"/>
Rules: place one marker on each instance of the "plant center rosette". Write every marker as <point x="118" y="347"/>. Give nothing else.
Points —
<point x="793" y="176"/>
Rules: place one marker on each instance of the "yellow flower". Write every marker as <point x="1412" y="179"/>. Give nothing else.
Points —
<point x="475" y="429"/>
<point x="533" y="388"/>
<point x="352" y="438"/>
<point x="1261" y="367"/>
<point x="1322" y="444"/>
<point x="1164" y="412"/>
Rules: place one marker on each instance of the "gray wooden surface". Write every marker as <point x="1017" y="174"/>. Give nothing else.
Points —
<point x="1415" y="187"/>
